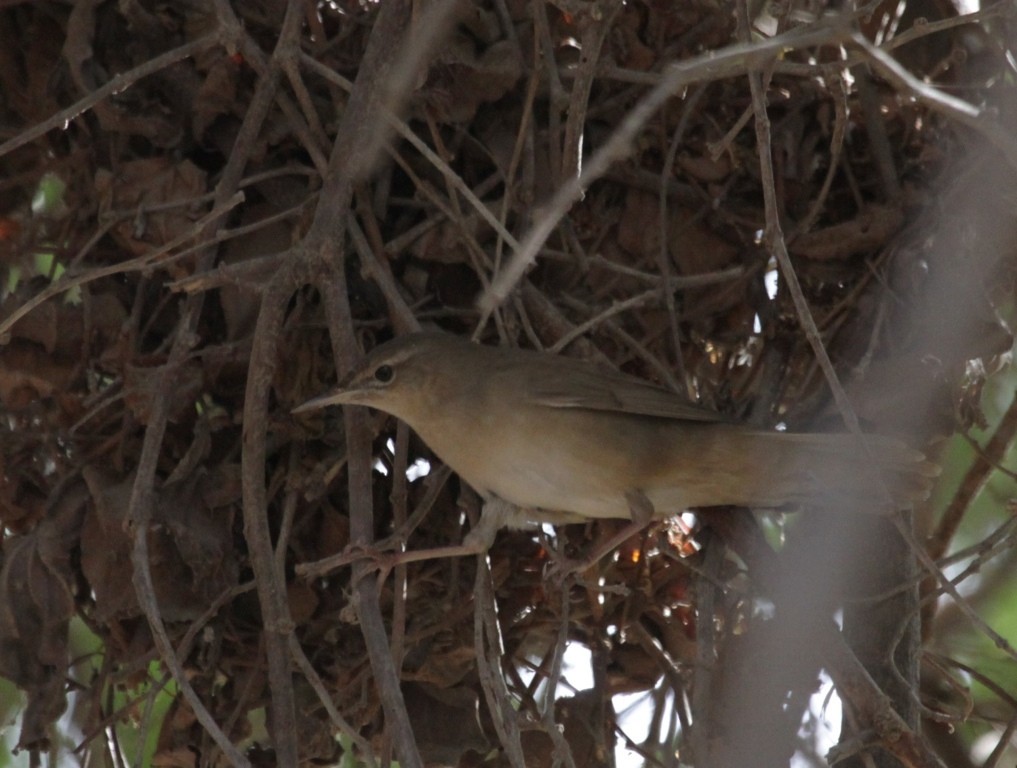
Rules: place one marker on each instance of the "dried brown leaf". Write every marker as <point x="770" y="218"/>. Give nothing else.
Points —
<point x="146" y="183"/>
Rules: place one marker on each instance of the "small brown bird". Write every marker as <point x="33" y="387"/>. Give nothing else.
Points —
<point x="563" y="439"/>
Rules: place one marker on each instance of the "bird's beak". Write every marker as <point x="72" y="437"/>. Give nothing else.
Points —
<point x="335" y="397"/>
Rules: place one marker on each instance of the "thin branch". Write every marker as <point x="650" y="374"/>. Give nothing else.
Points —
<point x="118" y="84"/>
<point x="733" y="60"/>
<point x="974" y="481"/>
<point x="964" y="113"/>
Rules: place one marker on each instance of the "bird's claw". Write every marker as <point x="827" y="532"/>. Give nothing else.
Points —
<point x="380" y="558"/>
<point x="560" y="569"/>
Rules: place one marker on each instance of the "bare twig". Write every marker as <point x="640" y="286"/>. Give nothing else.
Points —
<point x="974" y="481"/>
<point x="117" y="84"/>
<point x="733" y="60"/>
<point x="963" y="112"/>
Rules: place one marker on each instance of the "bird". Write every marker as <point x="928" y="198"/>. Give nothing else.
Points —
<point x="547" y="438"/>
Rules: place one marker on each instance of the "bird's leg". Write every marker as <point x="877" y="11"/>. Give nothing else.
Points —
<point x="476" y="542"/>
<point x="495" y="515"/>
<point x="640" y="507"/>
<point x="642" y="512"/>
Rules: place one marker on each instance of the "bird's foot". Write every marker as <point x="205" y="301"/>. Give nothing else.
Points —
<point x="381" y="555"/>
<point x="563" y="572"/>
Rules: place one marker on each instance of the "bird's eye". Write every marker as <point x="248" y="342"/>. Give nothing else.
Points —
<point x="383" y="374"/>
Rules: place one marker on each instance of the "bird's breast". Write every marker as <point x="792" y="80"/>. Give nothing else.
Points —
<point x="556" y="459"/>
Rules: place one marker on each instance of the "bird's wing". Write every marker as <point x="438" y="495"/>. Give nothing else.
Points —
<point x="582" y="386"/>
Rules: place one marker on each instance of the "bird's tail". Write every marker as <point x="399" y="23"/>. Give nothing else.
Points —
<point x="873" y="471"/>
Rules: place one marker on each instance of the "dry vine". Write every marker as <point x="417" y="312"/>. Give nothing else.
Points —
<point x="208" y="210"/>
